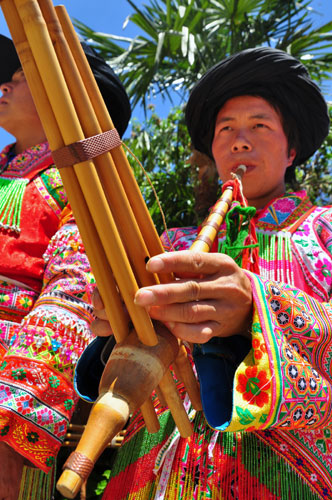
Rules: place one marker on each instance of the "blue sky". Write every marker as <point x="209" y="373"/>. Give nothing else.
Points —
<point x="109" y="15"/>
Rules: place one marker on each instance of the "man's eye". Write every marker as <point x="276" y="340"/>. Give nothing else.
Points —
<point x="260" y="125"/>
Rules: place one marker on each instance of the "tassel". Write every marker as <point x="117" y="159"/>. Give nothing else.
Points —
<point x="36" y="484"/>
<point x="11" y="196"/>
<point x="276" y="260"/>
<point x="241" y="240"/>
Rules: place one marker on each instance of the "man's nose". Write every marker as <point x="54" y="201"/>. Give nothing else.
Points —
<point x="241" y="143"/>
<point x="5" y="87"/>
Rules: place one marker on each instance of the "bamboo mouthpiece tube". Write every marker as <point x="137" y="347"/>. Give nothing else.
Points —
<point x="211" y="225"/>
<point x="130" y="376"/>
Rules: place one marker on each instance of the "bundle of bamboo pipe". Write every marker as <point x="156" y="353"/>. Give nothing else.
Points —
<point x="75" y="431"/>
<point x="105" y="200"/>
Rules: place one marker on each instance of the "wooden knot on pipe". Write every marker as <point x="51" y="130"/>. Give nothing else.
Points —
<point x="141" y="367"/>
<point x="79" y="463"/>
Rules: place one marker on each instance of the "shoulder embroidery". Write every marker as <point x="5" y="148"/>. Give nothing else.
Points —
<point x="49" y="185"/>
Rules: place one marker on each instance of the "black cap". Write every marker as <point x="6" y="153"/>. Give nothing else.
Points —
<point x="110" y="86"/>
<point x="9" y="61"/>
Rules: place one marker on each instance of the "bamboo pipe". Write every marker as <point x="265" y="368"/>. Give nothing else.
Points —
<point x="117" y="198"/>
<point x="60" y="99"/>
<point x="122" y="166"/>
<point x="203" y="243"/>
<point x="128" y="180"/>
<point x="211" y="225"/>
<point x="87" y="229"/>
<point x="99" y="263"/>
<point x="112" y="186"/>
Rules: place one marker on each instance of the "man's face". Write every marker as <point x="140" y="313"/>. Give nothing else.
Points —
<point x="16" y="104"/>
<point x="249" y="132"/>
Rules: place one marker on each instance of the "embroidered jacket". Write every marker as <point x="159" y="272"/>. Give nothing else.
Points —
<point x="45" y="287"/>
<point x="272" y="398"/>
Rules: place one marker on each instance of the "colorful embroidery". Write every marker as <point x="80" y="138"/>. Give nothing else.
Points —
<point x="278" y="443"/>
<point x="50" y="186"/>
<point x="41" y="334"/>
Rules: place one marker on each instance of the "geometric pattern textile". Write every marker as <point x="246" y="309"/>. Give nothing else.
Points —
<point x="45" y="309"/>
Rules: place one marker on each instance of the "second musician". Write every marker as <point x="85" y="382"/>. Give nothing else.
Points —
<point x="262" y="342"/>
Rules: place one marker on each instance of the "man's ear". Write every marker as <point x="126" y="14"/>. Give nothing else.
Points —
<point x="291" y="156"/>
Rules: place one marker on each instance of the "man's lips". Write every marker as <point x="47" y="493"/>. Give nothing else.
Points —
<point x="249" y="167"/>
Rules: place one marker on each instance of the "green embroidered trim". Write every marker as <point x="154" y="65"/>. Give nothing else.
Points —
<point x="53" y="184"/>
<point x="11" y="196"/>
<point x="276" y="258"/>
<point x="237" y="230"/>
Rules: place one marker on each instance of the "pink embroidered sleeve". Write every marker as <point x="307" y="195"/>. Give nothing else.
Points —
<point x="285" y="381"/>
<point x="37" y="370"/>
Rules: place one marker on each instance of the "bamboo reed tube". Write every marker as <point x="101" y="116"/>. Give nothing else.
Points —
<point x="187" y="377"/>
<point x="116" y="195"/>
<point x="117" y="198"/>
<point x="52" y="92"/>
<point x="111" y="184"/>
<point x="115" y="305"/>
<point x="75" y="432"/>
<point x="211" y="225"/>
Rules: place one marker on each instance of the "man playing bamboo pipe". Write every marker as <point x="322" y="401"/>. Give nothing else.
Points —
<point x="273" y="381"/>
<point x="45" y="285"/>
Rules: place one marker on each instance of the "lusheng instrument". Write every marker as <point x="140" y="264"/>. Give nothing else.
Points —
<point x="115" y="225"/>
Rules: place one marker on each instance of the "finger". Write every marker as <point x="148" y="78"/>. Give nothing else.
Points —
<point x="187" y="291"/>
<point x="179" y="291"/>
<point x="195" y="333"/>
<point x="186" y="261"/>
<point x="101" y="328"/>
<point x="97" y="301"/>
<point x="100" y="314"/>
<point x="189" y="312"/>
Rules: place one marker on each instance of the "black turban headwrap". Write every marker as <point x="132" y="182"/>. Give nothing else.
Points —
<point x="109" y="84"/>
<point x="264" y="72"/>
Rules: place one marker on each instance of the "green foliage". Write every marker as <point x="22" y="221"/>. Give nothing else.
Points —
<point x="179" y="41"/>
<point x="316" y="176"/>
<point x="162" y="146"/>
<point x="101" y="486"/>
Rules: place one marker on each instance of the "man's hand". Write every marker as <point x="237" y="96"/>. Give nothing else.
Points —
<point x="10" y="472"/>
<point x="100" y="326"/>
<point x="216" y="301"/>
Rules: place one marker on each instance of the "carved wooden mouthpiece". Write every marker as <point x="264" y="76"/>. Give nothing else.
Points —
<point x="131" y="374"/>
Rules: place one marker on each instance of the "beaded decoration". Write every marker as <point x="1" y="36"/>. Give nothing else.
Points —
<point x="11" y="196"/>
